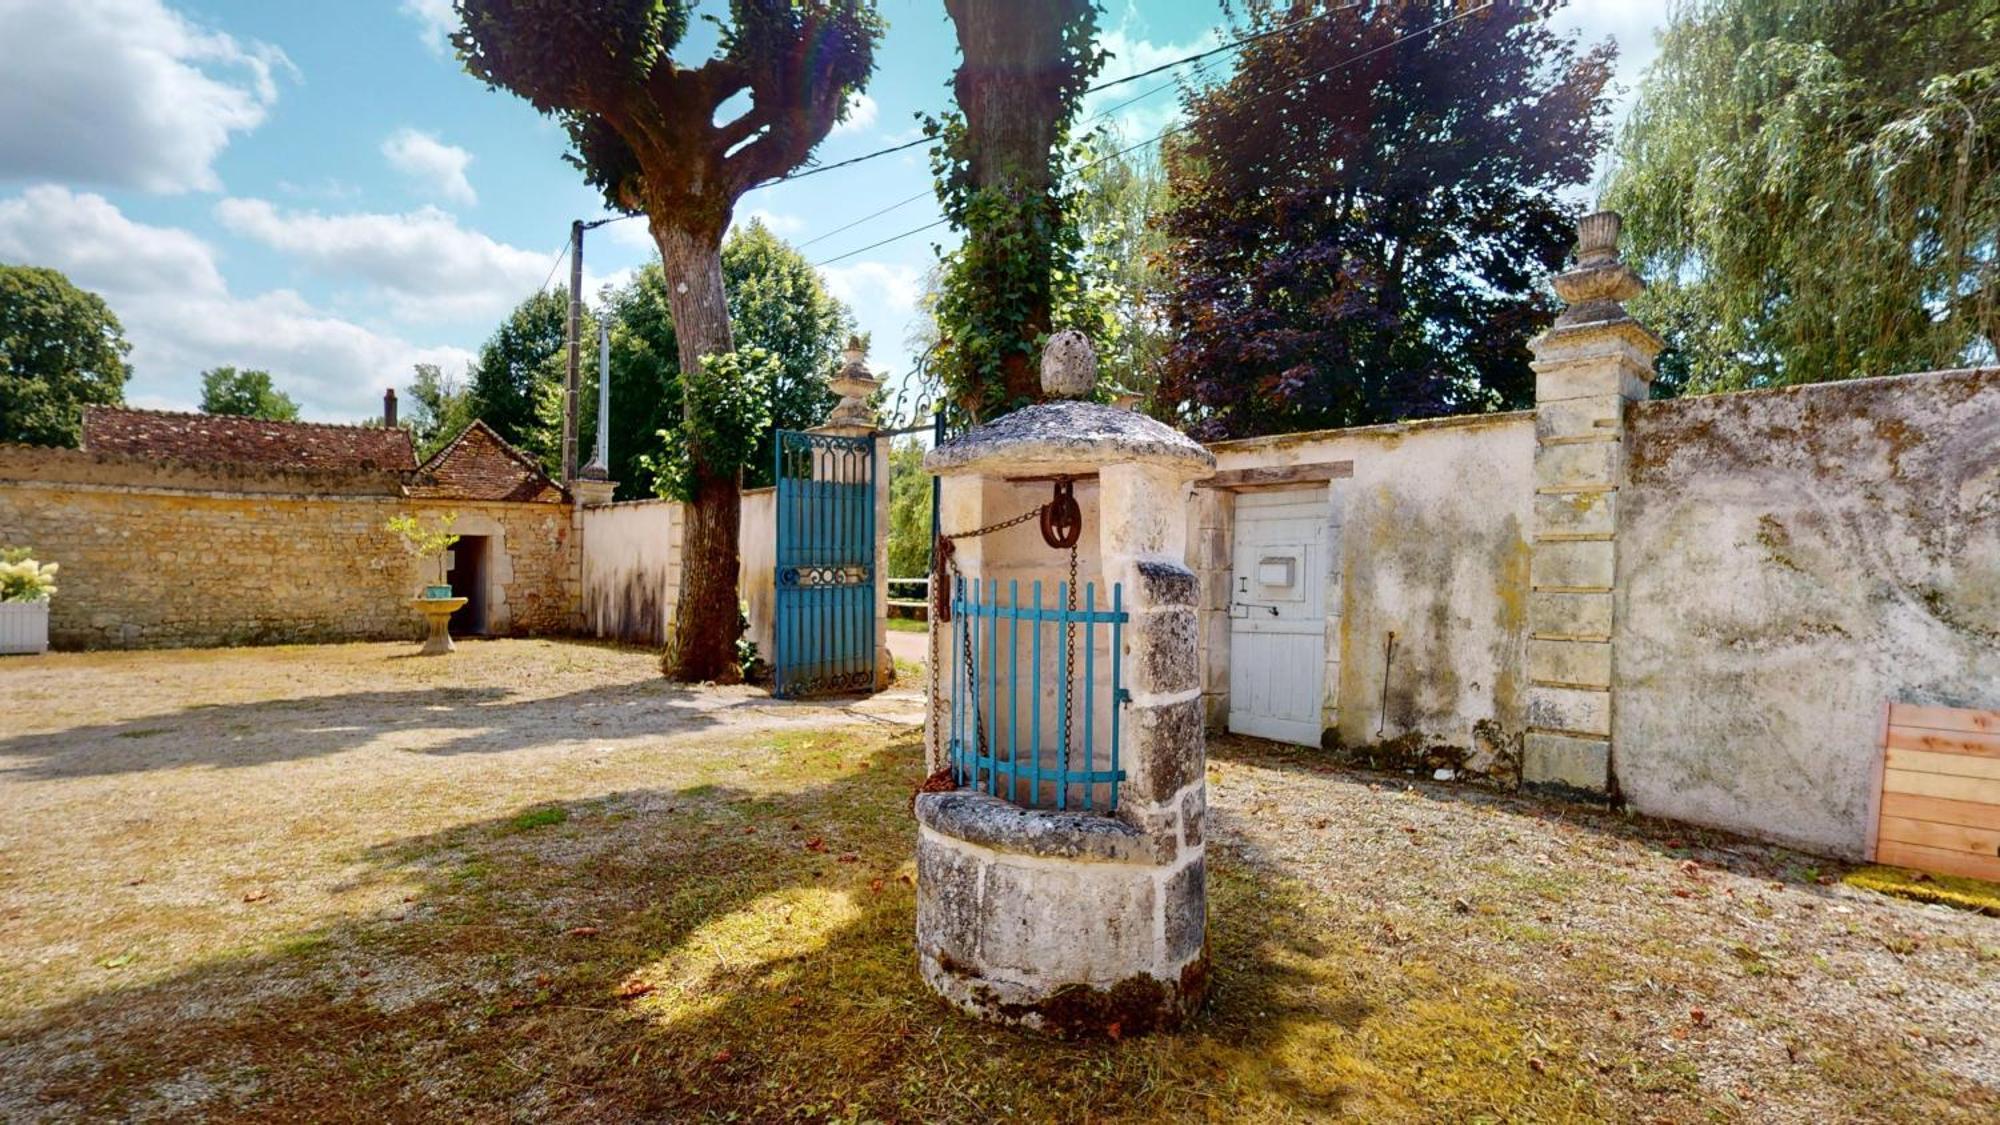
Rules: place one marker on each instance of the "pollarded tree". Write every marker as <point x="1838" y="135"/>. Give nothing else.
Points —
<point x="643" y="130"/>
<point x="1813" y="189"/>
<point x="61" y="349"/>
<point x="1363" y="216"/>
<point x="1024" y="66"/>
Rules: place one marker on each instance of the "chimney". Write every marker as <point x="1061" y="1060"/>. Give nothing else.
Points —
<point x="389" y="408"/>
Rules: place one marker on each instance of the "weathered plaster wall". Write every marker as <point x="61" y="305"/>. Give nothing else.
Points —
<point x="757" y="573"/>
<point x="1787" y="562"/>
<point x="171" y="555"/>
<point x="632" y="569"/>
<point x="1430" y="542"/>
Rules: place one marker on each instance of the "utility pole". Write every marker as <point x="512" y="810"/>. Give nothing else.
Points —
<point x="600" y="461"/>
<point x="575" y="328"/>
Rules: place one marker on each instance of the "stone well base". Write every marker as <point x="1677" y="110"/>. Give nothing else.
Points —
<point x="1071" y="923"/>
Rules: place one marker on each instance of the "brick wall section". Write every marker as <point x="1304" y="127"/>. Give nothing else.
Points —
<point x="164" y="554"/>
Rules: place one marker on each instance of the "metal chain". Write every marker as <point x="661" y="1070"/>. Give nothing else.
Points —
<point x="1069" y="667"/>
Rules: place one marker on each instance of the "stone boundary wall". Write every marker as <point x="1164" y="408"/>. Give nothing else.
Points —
<point x="632" y="569"/>
<point x="1786" y="563"/>
<point x="171" y="554"/>
<point x="1427" y="539"/>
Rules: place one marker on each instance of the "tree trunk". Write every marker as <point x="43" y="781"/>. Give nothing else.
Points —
<point x="702" y="646"/>
<point x="1009" y="86"/>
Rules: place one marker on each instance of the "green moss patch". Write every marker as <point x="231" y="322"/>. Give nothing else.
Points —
<point x="1951" y="890"/>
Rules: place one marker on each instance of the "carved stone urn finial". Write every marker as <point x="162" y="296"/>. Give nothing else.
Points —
<point x="1069" y="365"/>
<point x="1600" y="281"/>
<point x="855" y="385"/>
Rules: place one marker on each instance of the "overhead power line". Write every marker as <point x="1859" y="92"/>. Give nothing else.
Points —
<point x="1172" y="129"/>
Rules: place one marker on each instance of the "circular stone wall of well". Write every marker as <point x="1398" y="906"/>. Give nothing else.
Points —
<point x="1069" y="923"/>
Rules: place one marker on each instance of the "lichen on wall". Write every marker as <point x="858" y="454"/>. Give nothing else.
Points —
<point x="1788" y="562"/>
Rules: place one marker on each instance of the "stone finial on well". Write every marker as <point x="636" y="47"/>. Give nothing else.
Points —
<point x="1069" y="365"/>
<point x="855" y="385"/>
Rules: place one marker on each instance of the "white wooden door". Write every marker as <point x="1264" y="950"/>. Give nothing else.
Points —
<point x="1277" y="610"/>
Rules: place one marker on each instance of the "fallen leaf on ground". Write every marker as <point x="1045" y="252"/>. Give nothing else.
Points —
<point x="633" y="988"/>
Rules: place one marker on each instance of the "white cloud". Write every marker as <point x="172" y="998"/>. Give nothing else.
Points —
<point x="782" y="224"/>
<point x="1131" y="54"/>
<point x="861" y="113"/>
<point x="423" y="261"/>
<point x="436" y="22"/>
<point x="181" y="318"/>
<point x="1632" y="24"/>
<point x="126" y="93"/>
<point x="435" y="166"/>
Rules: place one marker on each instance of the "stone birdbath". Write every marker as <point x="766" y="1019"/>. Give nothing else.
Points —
<point x="437" y="614"/>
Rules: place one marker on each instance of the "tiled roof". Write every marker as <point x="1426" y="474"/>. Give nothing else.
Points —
<point x="480" y="465"/>
<point x="227" y="439"/>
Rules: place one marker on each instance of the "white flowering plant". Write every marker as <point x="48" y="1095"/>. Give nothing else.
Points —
<point x="22" y="579"/>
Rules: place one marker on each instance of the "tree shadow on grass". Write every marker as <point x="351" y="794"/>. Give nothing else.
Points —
<point x="699" y="953"/>
<point x="472" y="720"/>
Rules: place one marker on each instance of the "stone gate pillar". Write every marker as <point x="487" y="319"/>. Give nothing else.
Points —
<point x="1074" y="921"/>
<point x="1588" y="366"/>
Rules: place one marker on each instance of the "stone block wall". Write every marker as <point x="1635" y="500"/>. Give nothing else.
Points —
<point x="164" y="555"/>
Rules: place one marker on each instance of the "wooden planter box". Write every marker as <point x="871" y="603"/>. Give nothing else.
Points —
<point x="24" y="626"/>
<point x="1940" y="797"/>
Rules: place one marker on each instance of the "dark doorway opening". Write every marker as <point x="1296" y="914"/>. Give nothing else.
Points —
<point x="468" y="580"/>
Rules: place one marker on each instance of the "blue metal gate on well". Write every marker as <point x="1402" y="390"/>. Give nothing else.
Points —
<point x="1033" y="740"/>
<point x="823" y="634"/>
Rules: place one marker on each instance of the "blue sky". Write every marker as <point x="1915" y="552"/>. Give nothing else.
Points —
<point x="318" y="190"/>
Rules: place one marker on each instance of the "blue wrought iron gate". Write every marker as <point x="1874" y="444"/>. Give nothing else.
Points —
<point x="824" y="628"/>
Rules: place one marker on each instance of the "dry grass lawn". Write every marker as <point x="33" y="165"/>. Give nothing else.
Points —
<point x="533" y="882"/>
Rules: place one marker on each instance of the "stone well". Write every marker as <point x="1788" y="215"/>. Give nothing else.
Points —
<point x="1073" y="921"/>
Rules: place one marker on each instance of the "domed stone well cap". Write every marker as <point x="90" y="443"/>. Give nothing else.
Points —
<point x="1068" y="439"/>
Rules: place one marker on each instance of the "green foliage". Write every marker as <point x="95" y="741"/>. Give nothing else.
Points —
<point x="1117" y="199"/>
<point x="517" y="381"/>
<point x="1812" y="188"/>
<point x="245" y="394"/>
<point x="909" y="511"/>
<point x="61" y="349"/>
<point x="22" y="579"/>
<point x="778" y="302"/>
<point x="999" y="166"/>
<point x="424" y="542"/>
<point x="728" y="409"/>
<point x="440" y="407"/>
<point x="642" y="126"/>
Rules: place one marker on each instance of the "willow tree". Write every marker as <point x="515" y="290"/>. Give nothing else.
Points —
<point x="1024" y="68"/>
<point x="643" y="129"/>
<point x="1813" y="189"/>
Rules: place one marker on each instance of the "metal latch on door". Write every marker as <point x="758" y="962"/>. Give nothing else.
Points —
<point x="1243" y="587"/>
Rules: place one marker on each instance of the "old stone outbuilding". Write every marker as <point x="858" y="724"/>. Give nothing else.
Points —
<point x="197" y="529"/>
